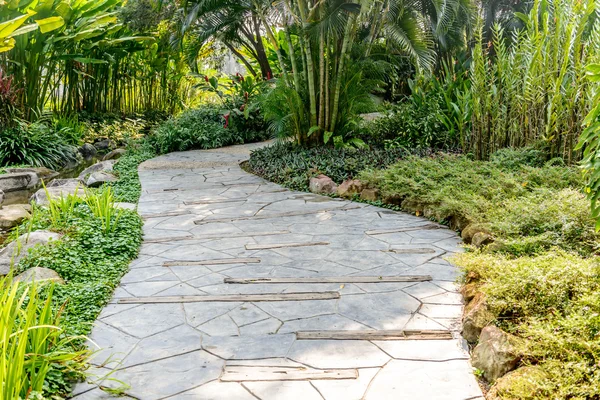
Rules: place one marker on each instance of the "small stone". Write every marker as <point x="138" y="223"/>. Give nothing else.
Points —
<point x="104" y="144"/>
<point x="114" y="155"/>
<point x="470" y="231"/>
<point x="87" y="151"/>
<point x="99" y="178"/>
<point x="481" y="239"/>
<point x="495" y="354"/>
<point x="369" y="194"/>
<point x="38" y="274"/>
<point x="349" y="188"/>
<point x="13" y="215"/>
<point x="394" y="199"/>
<point x="102" y="166"/>
<point x="16" y="181"/>
<point x="477" y="316"/>
<point x="322" y="184"/>
<point x="469" y="291"/>
<point x="15" y="251"/>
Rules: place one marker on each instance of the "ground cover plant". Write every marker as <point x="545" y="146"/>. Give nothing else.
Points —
<point x="293" y="167"/>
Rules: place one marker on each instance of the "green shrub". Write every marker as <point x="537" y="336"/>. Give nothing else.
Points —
<point x="410" y="126"/>
<point x="36" y="145"/>
<point x="201" y="128"/>
<point x="293" y="166"/>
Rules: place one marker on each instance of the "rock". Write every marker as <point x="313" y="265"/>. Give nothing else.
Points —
<point x="476" y="317"/>
<point x="412" y="206"/>
<point x="99" y="178"/>
<point x="1" y="198"/>
<point x="38" y="274"/>
<point x="469" y="291"/>
<point x="11" y="216"/>
<point x="518" y="384"/>
<point x="15" y="251"/>
<point x="481" y="239"/>
<point x="104" y="145"/>
<point x="16" y="181"/>
<point x="102" y="166"/>
<point x="58" y="188"/>
<point x="394" y="199"/>
<point x="495" y="354"/>
<point x="470" y="231"/>
<point x="115" y="154"/>
<point x="44" y="173"/>
<point x="458" y="222"/>
<point x="87" y="151"/>
<point x="349" y="188"/>
<point x="322" y="184"/>
<point x="369" y="194"/>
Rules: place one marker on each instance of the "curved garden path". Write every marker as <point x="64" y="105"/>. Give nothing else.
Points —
<point x="200" y="206"/>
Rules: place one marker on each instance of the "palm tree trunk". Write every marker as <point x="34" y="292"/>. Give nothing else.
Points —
<point x="292" y="53"/>
<point x="322" y="80"/>
<point x="309" y="66"/>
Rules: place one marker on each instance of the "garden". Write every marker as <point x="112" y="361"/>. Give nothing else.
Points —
<point x="481" y="115"/>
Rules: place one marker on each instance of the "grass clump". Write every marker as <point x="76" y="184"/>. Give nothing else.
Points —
<point x="529" y="209"/>
<point x="293" y="166"/>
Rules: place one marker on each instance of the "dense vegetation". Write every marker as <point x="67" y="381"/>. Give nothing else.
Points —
<point x="483" y="110"/>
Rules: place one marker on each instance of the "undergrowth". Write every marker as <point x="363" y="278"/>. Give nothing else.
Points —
<point x="128" y="188"/>
<point x="293" y="166"/>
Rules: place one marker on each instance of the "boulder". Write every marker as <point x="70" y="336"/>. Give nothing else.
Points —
<point x="470" y="231"/>
<point x="495" y="354"/>
<point x="349" y="188"/>
<point x="99" y="178"/>
<point x="481" y="239"/>
<point x="1" y="198"/>
<point x="58" y="188"/>
<point x="38" y="274"/>
<point x="114" y="155"/>
<point x="104" y="145"/>
<point x="16" y="181"/>
<point x="13" y="215"/>
<point x="44" y="173"/>
<point x="476" y="317"/>
<point x="322" y="184"/>
<point x="369" y="194"/>
<point x="15" y="251"/>
<point x="469" y="291"/>
<point x="87" y="151"/>
<point x="102" y="166"/>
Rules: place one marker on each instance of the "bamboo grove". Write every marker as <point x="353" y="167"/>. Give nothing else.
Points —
<point x="531" y="86"/>
<point x="73" y="55"/>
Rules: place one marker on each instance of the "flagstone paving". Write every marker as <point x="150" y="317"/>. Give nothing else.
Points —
<point x="200" y="205"/>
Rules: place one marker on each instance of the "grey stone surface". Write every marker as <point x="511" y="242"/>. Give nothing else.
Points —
<point x="38" y="274"/>
<point x="16" y="250"/>
<point x="12" y="215"/>
<point x="177" y="351"/>
<point x="15" y="181"/>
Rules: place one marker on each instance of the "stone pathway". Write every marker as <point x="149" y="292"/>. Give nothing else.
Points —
<point x="201" y="206"/>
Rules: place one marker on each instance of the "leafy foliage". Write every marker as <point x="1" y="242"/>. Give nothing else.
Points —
<point x="201" y="128"/>
<point x="293" y="166"/>
<point x="33" y="346"/>
<point x="128" y="188"/>
<point x="36" y="145"/>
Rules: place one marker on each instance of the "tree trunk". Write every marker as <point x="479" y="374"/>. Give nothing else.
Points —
<point x="340" y="72"/>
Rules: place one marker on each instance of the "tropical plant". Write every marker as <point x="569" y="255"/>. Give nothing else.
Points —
<point x="32" y="343"/>
<point x="36" y="145"/>
<point x="535" y="89"/>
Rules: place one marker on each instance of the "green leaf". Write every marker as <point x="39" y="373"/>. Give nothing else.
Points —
<point x="312" y="130"/>
<point x="50" y="24"/>
<point x="327" y="136"/>
<point x="8" y="27"/>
